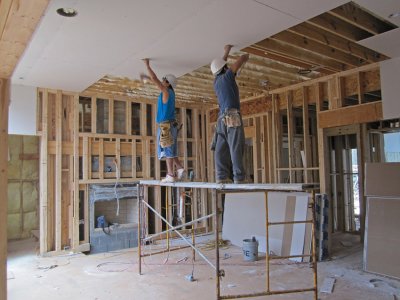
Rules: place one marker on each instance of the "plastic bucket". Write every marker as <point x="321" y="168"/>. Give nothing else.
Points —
<point x="250" y="249"/>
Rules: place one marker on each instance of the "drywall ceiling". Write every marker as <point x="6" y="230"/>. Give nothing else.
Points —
<point x="388" y="42"/>
<point x="111" y="37"/>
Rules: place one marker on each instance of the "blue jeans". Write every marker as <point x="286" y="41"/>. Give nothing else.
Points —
<point x="229" y="151"/>
<point x="171" y="151"/>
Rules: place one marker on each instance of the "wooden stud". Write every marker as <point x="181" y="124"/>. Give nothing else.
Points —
<point x="58" y="172"/>
<point x="290" y="137"/>
<point x="101" y="158"/>
<point x="270" y="152"/>
<point x="133" y="148"/>
<point x="277" y="137"/>
<point x="111" y="115"/>
<point x="184" y="137"/>
<point x="256" y="144"/>
<point x="93" y="115"/>
<point x="196" y="145"/>
<point x="76" y="142"/>
<point x="128" y="118"/>
<point x="4" y="104"/>
<point x="306" y="137"/>
<point x="43" y="176"/>
<point x="118" y="158"/>
<point x="361" y="87"/>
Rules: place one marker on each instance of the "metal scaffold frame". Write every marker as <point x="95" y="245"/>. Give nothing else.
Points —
<point x="217" y="190"/>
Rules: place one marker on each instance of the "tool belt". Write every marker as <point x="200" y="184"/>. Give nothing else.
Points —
<point x="231" y="118"/>
<point x="166" y="138"/>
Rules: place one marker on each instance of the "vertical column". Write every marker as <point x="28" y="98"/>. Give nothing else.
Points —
<point x="4" y="101"/>
<point x="290" y="137"/>
<point x="58" y="180"/>
<point x="306" y="134"/>
<point x="75" y="219"/>
<point x="43" y="175"/>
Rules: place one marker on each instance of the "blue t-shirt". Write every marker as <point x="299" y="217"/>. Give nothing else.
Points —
<point x="166" y="112"/>
<point x="227" y="91"/>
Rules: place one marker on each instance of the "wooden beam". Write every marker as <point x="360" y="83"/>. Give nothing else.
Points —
<point x="300" y="54"/>
<point x="339" y="27"/>
<point x="327" y="38"/>
<point x="18" y="21"/>
<point x="355" y="15"/>
<point x="4" y="103"/>
<point x="366" y="68"/>
<point x="313" y="46"/>
<point x="356" y="114"/>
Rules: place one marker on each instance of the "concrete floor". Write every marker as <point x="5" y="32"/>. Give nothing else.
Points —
<point x="114" y="275"/>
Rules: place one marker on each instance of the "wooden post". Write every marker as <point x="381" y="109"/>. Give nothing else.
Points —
<point x="4" y="101"/>
<point x="290" y="135"/>
<point x="75" y="218"/>
<point x="43" y="175"/>
<point x="306" y="133"/>
<point x="323" y="159"/>
<point x="58" y="175"/>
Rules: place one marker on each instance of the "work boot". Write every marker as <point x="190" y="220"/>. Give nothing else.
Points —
<point x="243" y="181"/>
<point x="181" y="174"/>
<point x="224" y="181"/>
<point x="168" y="179"/>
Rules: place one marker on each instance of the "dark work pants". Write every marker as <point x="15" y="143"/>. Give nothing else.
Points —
<point x="229" y="152"/>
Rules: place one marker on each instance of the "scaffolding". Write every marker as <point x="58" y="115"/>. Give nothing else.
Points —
<point x="217" y="190"/>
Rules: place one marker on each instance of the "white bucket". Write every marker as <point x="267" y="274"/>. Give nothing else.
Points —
<point x="250" y="249"/>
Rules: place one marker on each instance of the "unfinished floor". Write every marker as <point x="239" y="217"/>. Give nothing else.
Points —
<point x="114" y="275"/>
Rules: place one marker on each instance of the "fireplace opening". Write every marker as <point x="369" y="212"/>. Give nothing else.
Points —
<point x="113" y="217"/>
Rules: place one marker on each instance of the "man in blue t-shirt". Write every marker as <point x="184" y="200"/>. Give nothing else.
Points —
<point x="229" y="147"/>
<point x="167" y="129"/>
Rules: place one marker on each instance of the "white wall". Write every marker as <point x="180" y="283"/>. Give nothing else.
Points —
<point x="390" y="74"/>
<point x="22" y="110"/>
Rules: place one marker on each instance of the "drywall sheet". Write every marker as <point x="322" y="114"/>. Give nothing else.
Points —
<point x="299" y="230"/>
<point x="382" y="236"/>
<point x="382" y="179"/>
<point x="245" y="217"/>
<point x="22" y="119"/>
<point x="390" y="73"/>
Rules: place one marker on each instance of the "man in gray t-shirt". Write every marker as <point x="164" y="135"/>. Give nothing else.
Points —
<point x="229" y="145"/>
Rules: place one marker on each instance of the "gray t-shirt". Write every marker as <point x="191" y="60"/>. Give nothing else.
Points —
<point x="227" y="91"/>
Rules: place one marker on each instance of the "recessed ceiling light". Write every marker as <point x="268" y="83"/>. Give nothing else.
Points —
<point x="67" y="12"/>
<point x="394" y="15"/>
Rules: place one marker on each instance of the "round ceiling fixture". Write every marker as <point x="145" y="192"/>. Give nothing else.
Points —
<point x="304" y="71"/>
<point x="67" y="12"/>
<point x="394" y="15"/>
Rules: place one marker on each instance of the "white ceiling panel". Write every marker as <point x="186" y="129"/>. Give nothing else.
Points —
<point x="386" y="43"/>
<point x="196" y="42"/>
<point x="304" y="9"/>
<point x="382" y="8"/>
<point x="111" y="37"/>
